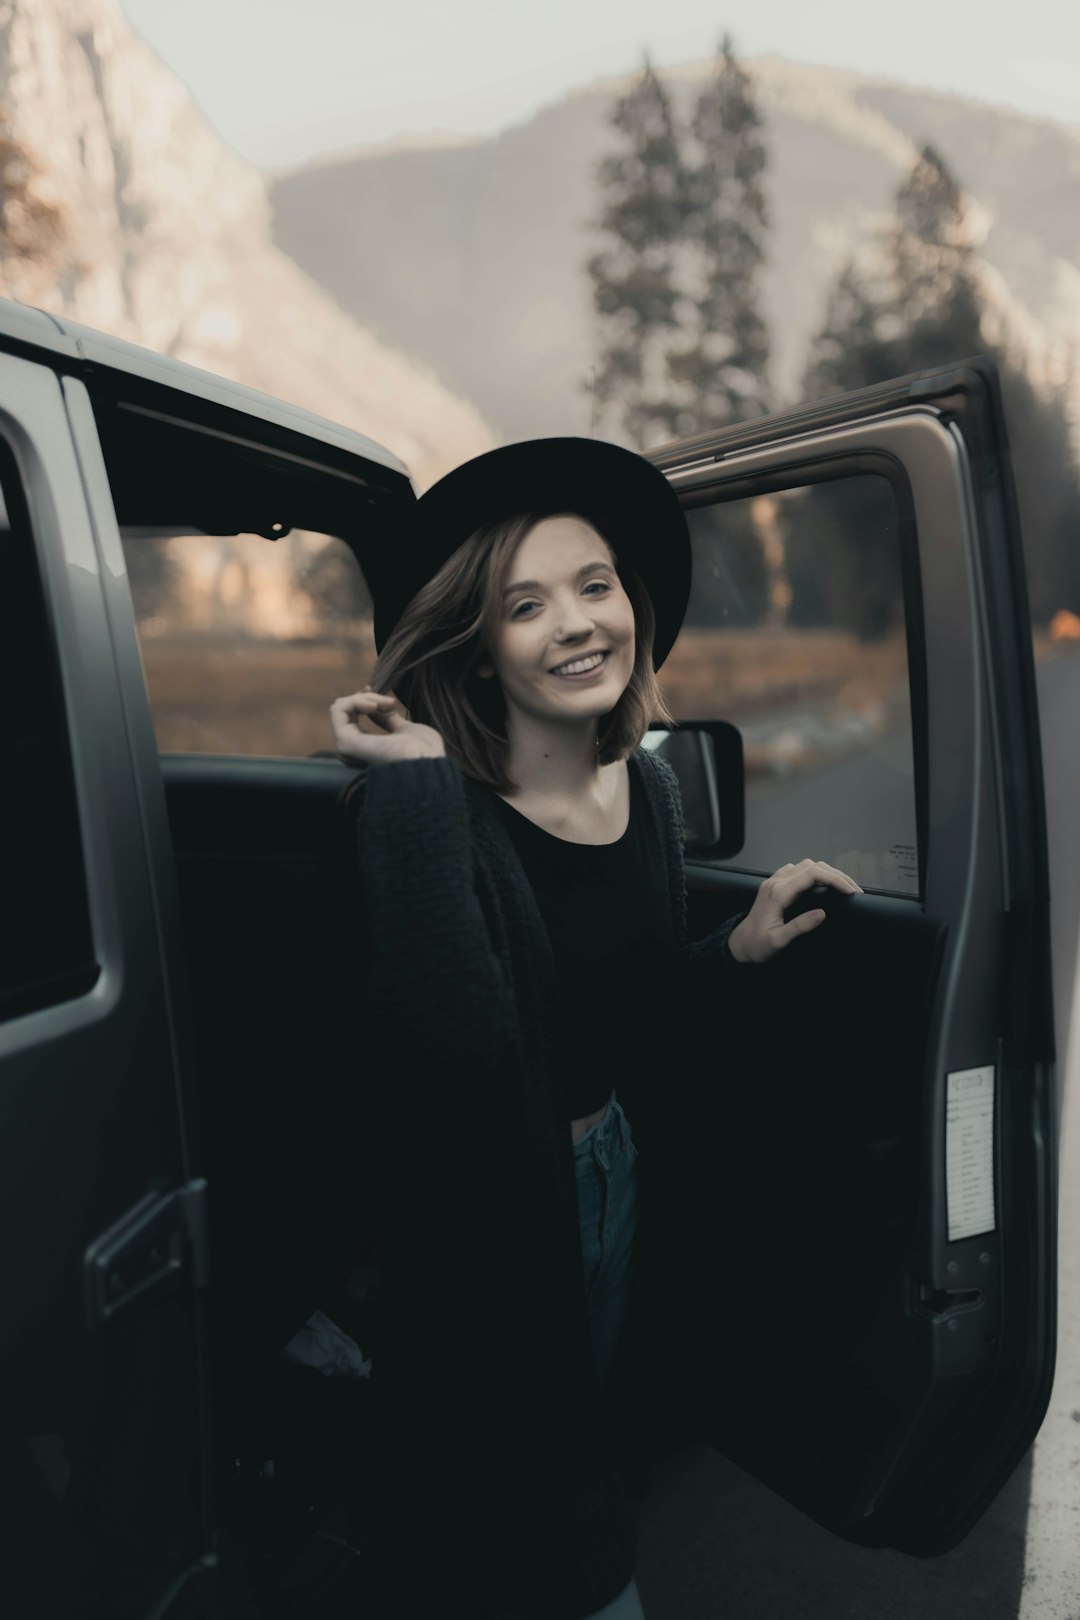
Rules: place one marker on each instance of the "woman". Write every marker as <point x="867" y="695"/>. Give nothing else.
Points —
<point x="522" y="862"/>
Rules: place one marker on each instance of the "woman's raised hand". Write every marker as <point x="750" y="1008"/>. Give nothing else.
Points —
<point x="372" y="727"/>
<point x="763" y="930"/>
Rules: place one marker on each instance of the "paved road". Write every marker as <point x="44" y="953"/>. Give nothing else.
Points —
<point x="716" y="1545"/>
<point x="1052" y="1552"/>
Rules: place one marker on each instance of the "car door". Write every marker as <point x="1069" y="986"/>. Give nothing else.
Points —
<point x="104" y="1442"/>
<point x="867" y="1305"/>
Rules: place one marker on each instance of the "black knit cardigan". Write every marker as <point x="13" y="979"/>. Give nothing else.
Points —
<point x="498" y="1480"/>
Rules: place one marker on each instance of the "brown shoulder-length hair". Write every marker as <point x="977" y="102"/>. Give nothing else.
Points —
<point x="431" y="659"/>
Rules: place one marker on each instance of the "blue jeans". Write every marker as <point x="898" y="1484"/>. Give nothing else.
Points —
<point x="605" y="1165"/>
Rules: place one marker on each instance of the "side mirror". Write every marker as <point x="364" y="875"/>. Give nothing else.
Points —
<point x="707" y="758"/>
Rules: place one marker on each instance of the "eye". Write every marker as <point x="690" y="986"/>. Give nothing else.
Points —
<point x="598" y="585"/>
<point x="519" y="609"/>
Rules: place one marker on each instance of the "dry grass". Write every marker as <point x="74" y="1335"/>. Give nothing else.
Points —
<point x="737" y="674"/>
<point x="250" y="697"/>
<point x="272" y="697"/>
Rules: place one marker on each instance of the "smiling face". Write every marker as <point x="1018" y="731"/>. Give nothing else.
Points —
<point x="564" y="646"/>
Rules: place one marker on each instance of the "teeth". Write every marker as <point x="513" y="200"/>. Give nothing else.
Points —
<point x="579" y="666"/>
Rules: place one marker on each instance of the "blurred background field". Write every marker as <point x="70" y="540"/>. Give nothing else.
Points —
<point x="248" y="695"/>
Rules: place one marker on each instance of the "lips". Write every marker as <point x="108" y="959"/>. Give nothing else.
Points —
<point x="583" y="664"/>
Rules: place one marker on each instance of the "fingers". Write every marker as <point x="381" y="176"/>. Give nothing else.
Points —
<point x="372" y="726"/>
<point x="805" y="923"/>
<point x="389" y="700"/>
<point x="836" y="879"/>
<point x="359" y="737"/>
<point x="795" y="880"/>
<point x="382" y="709"/>
<point x="367" y="702"/>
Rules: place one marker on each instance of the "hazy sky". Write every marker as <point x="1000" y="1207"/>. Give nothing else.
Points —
<point x="282" y="80"/>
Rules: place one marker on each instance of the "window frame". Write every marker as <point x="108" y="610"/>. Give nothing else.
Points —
<point x="80" y="968"/>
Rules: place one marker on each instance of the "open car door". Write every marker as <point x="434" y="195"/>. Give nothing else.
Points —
<point x="868" y="1305"/>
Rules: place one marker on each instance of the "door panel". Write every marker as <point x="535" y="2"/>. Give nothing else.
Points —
<point x="879" y="1345"/>
<point x="101" y="1423"/>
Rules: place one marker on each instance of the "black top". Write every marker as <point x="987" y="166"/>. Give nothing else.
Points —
<point x="607" y="910"/>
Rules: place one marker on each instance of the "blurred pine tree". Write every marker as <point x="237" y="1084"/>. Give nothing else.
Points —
<point x="634" y="292"/>
<point x="720" y="374"/>
<point x="914" y="302"/>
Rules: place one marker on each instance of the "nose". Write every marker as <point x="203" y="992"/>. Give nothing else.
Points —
<point x="574" y="620"/>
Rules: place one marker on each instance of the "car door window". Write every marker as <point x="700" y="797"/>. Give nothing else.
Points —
<point x="244" y="640"/>
<point x="796" y="633"/>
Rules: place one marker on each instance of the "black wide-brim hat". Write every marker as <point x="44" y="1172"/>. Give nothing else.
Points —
<point x="626" y="498"/>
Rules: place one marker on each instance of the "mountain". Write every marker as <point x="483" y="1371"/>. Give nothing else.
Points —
<point x="159" y="234"/>
<point x="473" y="255"/>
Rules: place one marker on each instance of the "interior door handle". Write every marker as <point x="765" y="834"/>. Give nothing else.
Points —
<point x="148" y="1253"/>
<point x="942" y="1302"/>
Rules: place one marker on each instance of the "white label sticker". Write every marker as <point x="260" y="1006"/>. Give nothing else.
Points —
<point x="904" y="863"/>
<point x="969" y="1152"/>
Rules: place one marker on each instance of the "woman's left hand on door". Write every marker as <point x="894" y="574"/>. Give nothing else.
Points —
<point x="763" y="931"/>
